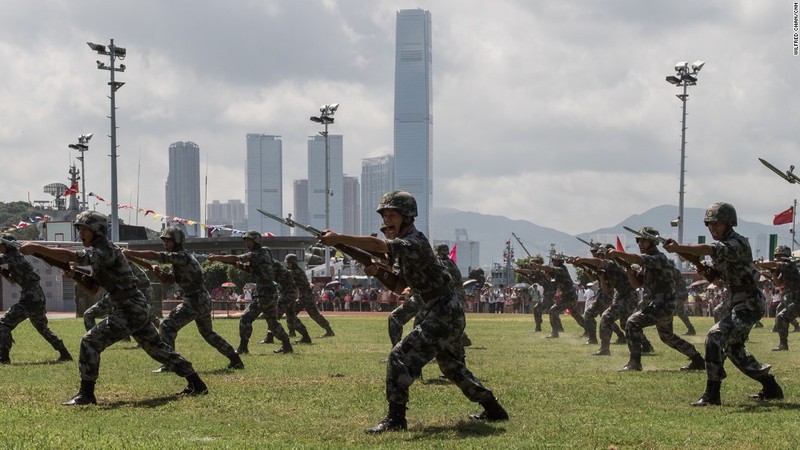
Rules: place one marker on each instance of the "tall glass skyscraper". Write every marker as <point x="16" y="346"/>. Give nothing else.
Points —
<point x="183" y="184"/>
<point x="264" y="182"/>
<point x="377" y="178"/>
<point x="316" y="181"/>
<point x="413" y="111"/>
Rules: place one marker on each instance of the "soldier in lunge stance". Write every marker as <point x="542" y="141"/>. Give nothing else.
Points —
<point x="569" y="298"/>
<point x="286" y="304"/>
<point x="130" y="314"/>
<point x="31" y="303"/>
<point x="733" y="266"/>
<point x="259" y="263"/>
<point x="786" y="273"/>
<point x="196" y="305"/>
<point x="443" y="253"/>
<point x="548" y="295"/>
<point x="682" y="294"/>
<point x="438" y="335"/>
<point x="659" y="301"/>
<point x="306" y="296"/>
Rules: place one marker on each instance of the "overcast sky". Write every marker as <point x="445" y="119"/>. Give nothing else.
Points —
<point x="551" y="111"/>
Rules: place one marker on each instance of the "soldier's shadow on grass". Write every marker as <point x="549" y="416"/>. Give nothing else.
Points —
<point x="144" y="403"/>
<point x="767" y="406"/>
<point x="462" y="429"/>
<point x="42" y="363"/>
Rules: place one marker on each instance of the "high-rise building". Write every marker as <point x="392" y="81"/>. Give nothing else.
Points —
<point x="301" y="201"/>
<point x="377" y="178"/>
<point x="316" y="182"/>
<point x="228" y="213"/>
<point x="352" y="205"/>
<point x="183" y="184"/>
<point x="264" y="182"/>
<point x="413" y="111"/>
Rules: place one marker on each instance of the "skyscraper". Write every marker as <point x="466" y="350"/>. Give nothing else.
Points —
<point x="183" y="184"/>
<point x="377" y="178"/>
<point x="264" y="182"/>
<point x="301" y="201"/>
<point x="228" y="213"/>
<point x="316" y="181"/>
<point x="413" y="111"/>
<point x="351" y="208"/>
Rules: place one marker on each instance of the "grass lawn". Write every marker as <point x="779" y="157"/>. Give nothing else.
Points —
<point x="325" y="394"/>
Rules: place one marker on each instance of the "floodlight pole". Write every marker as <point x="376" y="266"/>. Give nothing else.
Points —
<point x="325" y="118"/>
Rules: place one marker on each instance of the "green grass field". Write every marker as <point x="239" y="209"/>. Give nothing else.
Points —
<point x="325" y="394"/>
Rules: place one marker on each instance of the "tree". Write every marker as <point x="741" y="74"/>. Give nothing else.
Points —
<point x="214" y="274"/>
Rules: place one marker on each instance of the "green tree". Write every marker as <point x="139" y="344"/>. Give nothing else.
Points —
<point x="214" y="274"/>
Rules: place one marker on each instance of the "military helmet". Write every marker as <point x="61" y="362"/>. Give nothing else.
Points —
<point x="783" y="251"/>
<point x="442" y="249"/>
<point x="8" y="237"/>
<point x="256" y="237"/>
<point x="648" y="231"/>
<point x="721" y="212"/>
<point x="93" y="220"/>
<point x="538" y="259"/>
<point x="290" y="258"/>
<point x="175" y="234"/>
<point x="400" y="201"/>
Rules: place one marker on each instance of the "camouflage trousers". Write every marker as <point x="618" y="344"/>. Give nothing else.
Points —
<point x="727" y="338"/>
<point x="306" y="302"/>
<point x="267" y="305"/>
<point x="198" y="310"/>
<point x="130" y="316"/>
<point x="36" y="313"/>
<point x="621" y="308"/>
<point x="540" y="308"/>
<point x="559" y="308"/>
<point x="680" y="313"/>
<point x="438" y="335"/>
<point x="401" y="316"/>
<point x="102" y="309"/>
<point x="658" y="313"/>
<point x="599" y="305"/>
<point x="784" y="318"/>
<point x="293" y="323"/>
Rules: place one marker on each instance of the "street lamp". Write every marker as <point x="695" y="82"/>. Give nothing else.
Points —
<point x="113" y="52"/>
<point x="684" y="77"/>
<point x="325" y="118"/>
<point x="82" y="146"/>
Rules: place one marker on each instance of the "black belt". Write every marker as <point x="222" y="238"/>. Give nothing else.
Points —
<point x="434" y="294"/>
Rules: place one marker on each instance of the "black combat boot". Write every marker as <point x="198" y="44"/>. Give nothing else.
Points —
<point x="553" y="334"/>
<point x="4" y="358"/>
<point x="647" y="347"/>
<point x="711" y="395"/>
<point x="242" y="350"/>
<point x="770" y="389"/>
<point x="690" y="332"/>
<point x="63" y="353"/>
<point x="395" y="420"/>
<point x="306" y="339"/>
<point x="698" y="363"/>
<point x="286" y="347"/>
<point x="268" y="339"/>
<point x="328" y="333"/>
<point x="783" y="346"/>
<point x="492" y="411"/>
<point x="162" y="369"/>
<point x="236" y="362"/>
<point x="604" y="350"/>
<point x="85" y="395"/>
<point x="195" y="386"/>
<point x="634" y="363"/>
<point x="592" y="341"/>
<point x="537" y="328"/>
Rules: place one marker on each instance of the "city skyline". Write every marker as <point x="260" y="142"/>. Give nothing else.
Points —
<point x="183" y="184"/>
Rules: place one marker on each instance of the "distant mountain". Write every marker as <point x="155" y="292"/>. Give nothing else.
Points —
<point x="493" y="231"/>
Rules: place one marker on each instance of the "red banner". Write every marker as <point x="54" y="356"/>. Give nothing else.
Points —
<point x="784" y="217"/>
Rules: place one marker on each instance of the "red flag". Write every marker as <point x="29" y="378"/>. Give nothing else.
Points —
<point x="784" y="216"/>
<point x="452" y="254"/>
<point x="620" y="248"/>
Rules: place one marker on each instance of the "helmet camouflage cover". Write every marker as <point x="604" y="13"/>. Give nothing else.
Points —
<point x="400" y="201"/>
<point x="175" y="234"/>
<point x="648" y="231"/>
<point x="93" y="220"/>
<point x="783" y="251"/>
<point x="721" y="212"/>
<point x="442" y="249"/>
<point x="290" y="258"/>
<point x="257" y="238"/>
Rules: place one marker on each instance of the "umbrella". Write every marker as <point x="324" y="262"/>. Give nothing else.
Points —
<point x="229" y="284"/>
<point x="711" y="286"/>
<point x="332" y="284"/>
<point x="698" y="283"/>
<point x="521" y="286"/>
<point x="469" y="282"/>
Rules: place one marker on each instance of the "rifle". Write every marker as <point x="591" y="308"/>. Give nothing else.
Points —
<point x="696" y="261"/>
<point x="149" y="268"/>
<point x="80" y="276"/>
<point x="384" y="275"/>
<point x="788" y="175"/>
<point x="521" y="244"/>
<point x="594" y="246"/>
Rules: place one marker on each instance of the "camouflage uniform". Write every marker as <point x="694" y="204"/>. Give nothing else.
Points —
<point x="658" y="308"/>
<point x="288" y="294"/>
<point x="265" y="299"/>
<point x="103" y="307"/>
<point x="438" y="335"/>
<point x="622" y="304"/>
<point x="682" y="295"/>
<point x="31" y="306"/>
<point x="789" y="275"/>
<point x="455" y="281"/>
<point x="601" y="302"/>
<point x="548" y="296"/>
<point x="401" y="316"/>
<point x="568" y="301"/>
<point x="306" y="299"/>
<point x="196" y="305"/>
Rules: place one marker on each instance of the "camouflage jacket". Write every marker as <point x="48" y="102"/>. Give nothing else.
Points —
<point x="789" y="276"/>
<point x="419" y="267"/>
<point x="109" y="266"/>
<point x="618" y="279"/>
<point x="187" y="272"/>
<point x="261" y="267"/>
<point x="733" y="259"/>
<point x="455" y="278"/>
<point x="657" y="274"/>
<point x="285" y="282"/>
<point x="548" y="288"/>
<point x="20" y="268"/>
<point x="563" y="281"/>
<point x="678" y="284"/>
<point x="301" y="281"/>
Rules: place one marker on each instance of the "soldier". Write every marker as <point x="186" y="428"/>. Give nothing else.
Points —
<point x="196" y="305"/>
<point x="306" y="296"/>
<point x="789" y="276"/>
<point x="443" y="252"/>
<point x="130" y="314"/>
<point x="659" y="303"/>
<point x="439" y="334"/>
<point x="287" y="297"/>
<point x="733" y="266"/>
<point x="31" y="305"/>
<point x="603" y="298"/>
<point x="548" y="291"/>
<point x="569" y="298"/>
<point x="682" y="294"/>
<point x="258" y="262"/>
